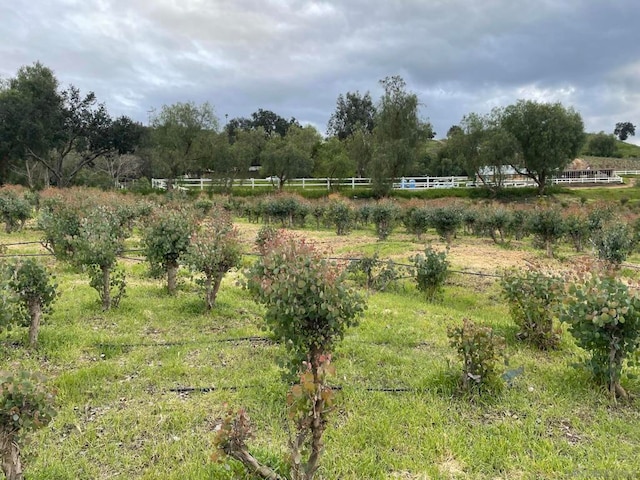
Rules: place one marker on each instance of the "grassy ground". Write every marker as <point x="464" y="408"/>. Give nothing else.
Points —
<point x="122" y="414"/>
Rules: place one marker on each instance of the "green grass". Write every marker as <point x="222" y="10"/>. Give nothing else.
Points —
<point x="118" y="418"/>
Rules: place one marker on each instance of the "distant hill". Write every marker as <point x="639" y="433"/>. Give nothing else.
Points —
<point x="624" y="149"/>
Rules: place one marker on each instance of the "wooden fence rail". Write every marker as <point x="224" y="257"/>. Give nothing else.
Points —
<point x="405" y="183"/>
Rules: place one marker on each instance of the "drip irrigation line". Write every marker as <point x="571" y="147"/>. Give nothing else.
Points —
<point x="26" y="255"/>
<point x="19" y="243"/>
<point x="255" y="339"/>
<point x="479" y="274"/>
<point x="338" y="388"/>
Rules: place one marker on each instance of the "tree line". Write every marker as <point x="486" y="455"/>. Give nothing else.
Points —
<point x="51" y="135"/>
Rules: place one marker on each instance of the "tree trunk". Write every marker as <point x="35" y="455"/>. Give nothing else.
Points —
<point x="212" y="285"/>
<point x="172" y="274"/>
<point x="251" y="463"/>
<point x="106" y="288"/>
<point x="11" y="465"/>
<point x="35" y="312"/>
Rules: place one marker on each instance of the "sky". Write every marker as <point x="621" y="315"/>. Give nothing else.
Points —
<point x="295" y="57"/>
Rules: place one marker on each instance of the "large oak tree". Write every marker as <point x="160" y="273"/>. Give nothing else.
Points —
<point x="60" y="129"/>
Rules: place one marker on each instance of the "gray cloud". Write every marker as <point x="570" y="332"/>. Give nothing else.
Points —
<point x="295" y="57"/>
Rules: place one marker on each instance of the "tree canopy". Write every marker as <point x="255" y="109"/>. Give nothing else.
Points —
<point x="549" y="137"/>
<point x="624" y="129"/>
<point x="61" y="129"/>
<point x="397" y="135"/>
<point x="180" y="135"/>
<point x="353" y="112"/>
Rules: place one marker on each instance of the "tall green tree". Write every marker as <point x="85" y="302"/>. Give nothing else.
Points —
<point x="359" y="147"/>
<point x="398" y="134"/>
<point x="181" y="136"/>
<point x="332" y="160"/>
<point x="549" y="137"/>
<point x="290" y="156"/>
<point x="60" y="129"/>
<point x="353" y="112"/>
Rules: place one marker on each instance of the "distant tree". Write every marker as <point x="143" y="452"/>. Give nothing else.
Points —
<point x="179" y="137"/>
<point x="624" y="129"/>
<point x="290" y="156"/>
<point x="454" y="130"/>
<point x="483" y="148"/>
<point x="229" y="160"/>
<point x="397" y="135"/>
<point x="332" y="160"/>
<point x="549" y="136"/>
<point x="271" y="124"/>
<point x="602" y="145"/>
<point x="62" y="130"/>
<point x="359" y="147"/>
<point x="354" y="112"/>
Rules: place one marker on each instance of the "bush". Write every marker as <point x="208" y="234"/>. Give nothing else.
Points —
<point x="547" y="227"/>
<point x="99" y="241"/>
<point x="25" y="405"/>
<point x="34" y="291"/>
<point x="384" y="215"/>
<point x="603" y="315"/>
<point x="417" y="220"/>
<point x="341" y="215"/>
<point x="446" y="221"/>
<point x="577" y="229"/>
<point x="214" y="249"/>
<point x="613" y="243"/>
<point x="431" y="271"/>
<point x="165" y="238"/>
<point x="481" y="352"/>
<point x="533" y="298"/>
<point x="309" y="308"/>
<point x="494" y="223"/>
<point x="373" y="273"/>
<point x="14" y="209"/>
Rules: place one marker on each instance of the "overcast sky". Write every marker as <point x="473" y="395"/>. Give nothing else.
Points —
<point x="295" y="57"/>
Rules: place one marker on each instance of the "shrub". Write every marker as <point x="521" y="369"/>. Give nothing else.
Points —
<point x="384" y="215"/>
<point x="25" y="405"/>
<point x="547" y="227"/>
<point x="35" y="291"/>
<point x="446" y="221"/>
<point x="417" y="220"/>
<point x="577" y="229"/>
<point x="15" y="210"/>
<point x="603" y="315"/>
<point x="60" y="224"/>
<point x="494" y="223"/>
<point x="214" y="249"/>
<point x="309" y="308"/>
<point x="533" y="298"/>
<point x="481" y="352"/>
<point x="165" y="238"/>
<point x="431" y="271"/>
<point x="373" y="273"/>
<point x="99" y="241"/>
<point x="341" y="216"/>
<point x="613" y="243"/>
<point x="519" y="226"/>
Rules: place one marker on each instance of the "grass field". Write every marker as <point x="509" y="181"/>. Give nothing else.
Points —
<point x="125" y="410"/>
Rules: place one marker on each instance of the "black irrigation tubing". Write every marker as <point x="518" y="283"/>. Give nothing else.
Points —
<point x="333" y="387"/>
<point x="188" y="342"/>
<point x="27" y="255"/>
<point x="19" y="243"/>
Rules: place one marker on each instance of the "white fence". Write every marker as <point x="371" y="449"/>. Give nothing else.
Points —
<point x="405" y="183"/>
